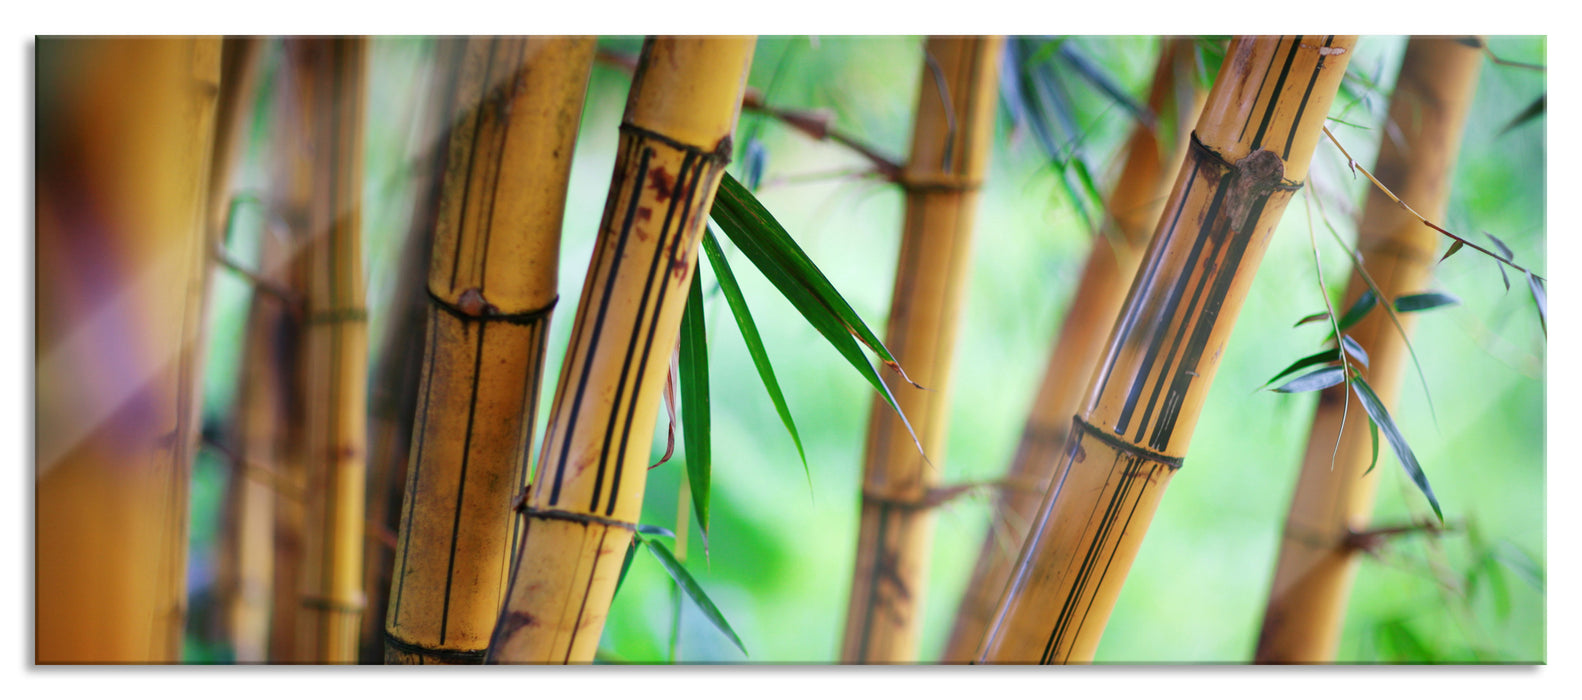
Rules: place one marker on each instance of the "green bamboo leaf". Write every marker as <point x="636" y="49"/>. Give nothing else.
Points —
<point x="1373" y="432"/>
<point x="1505" y="250"/>
<point x="1422" y="302"/>
<point x="692" y="589"/>
<point x="1106" y="84"/>
<point x="655" y="531"/>
<point x="1314" y="381"/>
<point x="626" y="565"/>
<point x="1401" y="644"/>
<point x="782" y="262"/>
<point x="1454" y="248"/>
<point x="1533" y="111"/>
<point x="694" y="380"/>
<point x="743" y="218"/>
<point x="1311" y="318"/>
<point x="1320" y="357"/>
<point x="1380" y="416"/>
<point x="1359" y="309"/>
<point x="1354" y="349"/>
<point x="1520" y="562"/>
<point x="1541" y="299"/>
<point x="755" y="343"/>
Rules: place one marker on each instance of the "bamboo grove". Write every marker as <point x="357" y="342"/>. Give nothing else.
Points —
<point x="322" y="317"/>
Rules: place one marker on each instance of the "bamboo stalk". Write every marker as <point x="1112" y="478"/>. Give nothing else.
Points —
<point x="326" y="75"/>
<point x="588" y="491"/>
<point x="1134" y="205"/>
<point x="951" y="140"/>
<point x="1334" y="494"/>
<point x="264" y="392"/>
<point x="393" y="393"/>
<point x="491" y="292"/>
<point x="1251" y="149"/>
<point x="125" y="129"/>
<point x="244" y="560"/>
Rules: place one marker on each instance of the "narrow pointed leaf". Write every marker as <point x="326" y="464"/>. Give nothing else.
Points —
<point x="753" y="229"/>
<point x="1469" y="41"/>
<point x="1454" y="248"/>
<point x="692" y="589"/>
<point x="669" y="395"/>
<point x="1422" y="302"/>
<point x="1373" y="432"/>
<point x="1314" y="381"/>
<point x="1505" y="251"/>
<point x="1380" y="416"/>
<point x="654" y="531"/>
<point x="1320" y="357"/>
<point x="1311" y="318"/>
<point x="1533" y="111"/>
<point x="783" y="263"/>
<point x="755" y="344"/>
<point x="694" y="380"/>
<point x="1106" y="84"/>
<point x="1354" y="349"/>
<point x="1519" y="561"/>
<point x="626" y="565"/>
<point x="1358" y="310"/>
<point x="1541" y="299"/>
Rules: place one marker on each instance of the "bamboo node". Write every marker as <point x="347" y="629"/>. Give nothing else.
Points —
<point x="584" y="518"/>
<point x="1214" y="157"/>
<point x="912" y="181"/>
<point x="449" y="656"/>
<point x="317" y="602"/>
<point x="1082" y="427"/>
<point x="719" y="153"/>
<point x="472" y="306"/>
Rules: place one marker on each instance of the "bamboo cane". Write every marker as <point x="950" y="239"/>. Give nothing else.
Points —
<point x="1334" y="494"/>
<point x="588" y="489"/>
<point x="124" y="133"/>
<point x="393" y="393"/>
<point x="327" y="75"/>
<point x="1134" y="205"/>
<point x="1250" y="150"/>
<point x="491" y="291"/>
<point x="951" y="140"/>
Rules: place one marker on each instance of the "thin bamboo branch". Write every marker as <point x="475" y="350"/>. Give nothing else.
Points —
<point x="1249" y="153"/>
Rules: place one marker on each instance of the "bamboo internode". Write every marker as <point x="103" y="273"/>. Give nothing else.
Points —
<point x="1249" y="153"/>
<point x="326" y="79"/>
<point x="588" y="489"/>
<point x="491" y="289"/>
<point x="1132" y="211"/>
<point x="950" y="154"/>
<point x="1334" y="494"/>
<point x="125" y="129"/>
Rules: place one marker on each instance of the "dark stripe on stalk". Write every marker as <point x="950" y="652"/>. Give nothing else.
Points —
<point x="417" y="466"/>
<point x="1302" y="107"/>
<point x="598" y="328"/>
<point x="1274" y="97"/>
<point x="461" y="481"/>
<point x="466" y="187"/>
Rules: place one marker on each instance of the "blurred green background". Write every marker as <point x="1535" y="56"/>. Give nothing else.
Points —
<point x="780" y="556"/>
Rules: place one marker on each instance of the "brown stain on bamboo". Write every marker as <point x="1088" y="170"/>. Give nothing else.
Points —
<point x="1333" y="496"/>
<point x="593" y="462"/>
<point x="950" y="150"/>
<point x="1133" y="208"/>
<point x="491" y="288"/>
<point x="1250" y="151"/>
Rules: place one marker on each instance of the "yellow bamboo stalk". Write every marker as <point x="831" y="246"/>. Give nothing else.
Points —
<point x="265" y="390"/>
<point x="588" y="489"/>
<point x="245" y="560"/>
<point x="1249" y="153"/>
<point x="1134" y="205"/>
<point x="1334" y="496"/>
<point x="393" y="392"/>
<point x="491" y="290"/>
<point x="327" y="77"/>
<point x="124" y="133"/>
<point x="951" y="139"/>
